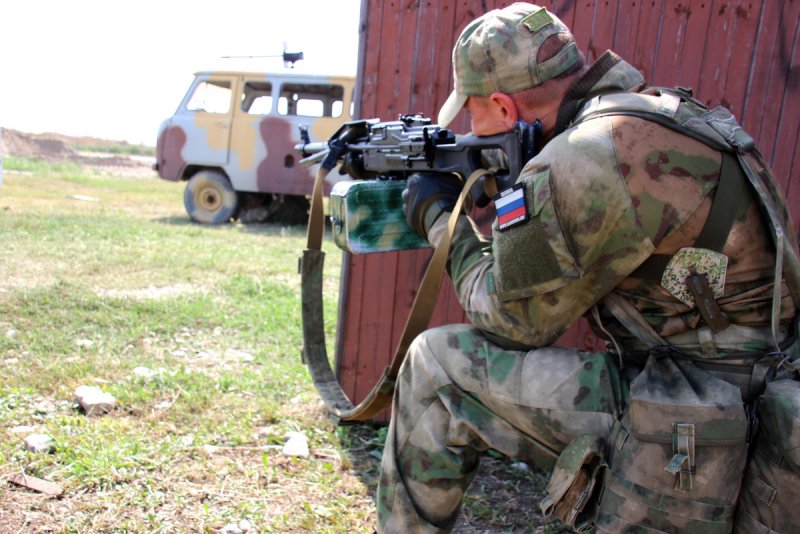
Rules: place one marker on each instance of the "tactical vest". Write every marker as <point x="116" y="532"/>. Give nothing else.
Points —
<point x="675" y="459"/>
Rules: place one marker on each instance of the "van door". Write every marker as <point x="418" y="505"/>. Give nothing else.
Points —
<point x="205" y="117"/>
<point x="249" y="131"/>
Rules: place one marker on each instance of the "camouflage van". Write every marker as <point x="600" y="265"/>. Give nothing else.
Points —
<point x="232" y="140"/>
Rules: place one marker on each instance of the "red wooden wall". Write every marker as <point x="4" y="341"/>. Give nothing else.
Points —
<point x="738" y="53"/>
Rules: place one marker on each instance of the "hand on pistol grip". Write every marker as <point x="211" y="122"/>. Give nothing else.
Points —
<point x="428" y="195"/>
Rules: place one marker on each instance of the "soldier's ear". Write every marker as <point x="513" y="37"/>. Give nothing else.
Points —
<point x="504" y="110"/>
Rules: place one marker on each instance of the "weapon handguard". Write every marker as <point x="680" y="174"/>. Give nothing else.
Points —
<point x="314" y="353"/>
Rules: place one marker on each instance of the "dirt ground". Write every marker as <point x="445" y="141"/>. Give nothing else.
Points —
<point x="55" y="147"/>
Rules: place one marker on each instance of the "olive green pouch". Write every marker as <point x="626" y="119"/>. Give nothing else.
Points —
<point x="771" y="492"/>
<point x="573" y="483"/>
<point x="677" y="456"/>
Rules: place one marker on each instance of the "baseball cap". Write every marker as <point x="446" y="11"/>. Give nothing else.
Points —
<point x="497" y="53"/>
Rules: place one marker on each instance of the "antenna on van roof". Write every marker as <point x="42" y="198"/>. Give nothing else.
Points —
<point x="289" y="58"/>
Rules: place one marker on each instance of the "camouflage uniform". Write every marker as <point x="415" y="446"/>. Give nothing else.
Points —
<point x="602" y="197"/>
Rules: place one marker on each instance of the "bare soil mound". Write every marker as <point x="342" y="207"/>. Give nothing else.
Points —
<point x="55" y="147"/>
<point x="52" y="147"/>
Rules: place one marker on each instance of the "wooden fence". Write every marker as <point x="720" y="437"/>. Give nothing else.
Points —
<point x="741" y="54"/>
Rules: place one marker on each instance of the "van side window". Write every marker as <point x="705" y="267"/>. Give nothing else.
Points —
<point x="311" y="100"/>
<point x="257" y="98"/>
<point x="211" y="96"/>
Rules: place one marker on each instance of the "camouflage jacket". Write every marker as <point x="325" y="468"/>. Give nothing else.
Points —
<point x="600" y="198"/>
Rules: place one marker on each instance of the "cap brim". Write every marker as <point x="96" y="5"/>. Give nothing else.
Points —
<point x="451" y="107"/>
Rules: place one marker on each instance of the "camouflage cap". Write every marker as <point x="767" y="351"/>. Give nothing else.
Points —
<point x="497" y="53"/>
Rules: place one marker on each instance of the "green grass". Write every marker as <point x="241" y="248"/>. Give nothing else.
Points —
<point x="101" y="276"/>
<point x="91" y="290"/>
<point x="119" y="148"/>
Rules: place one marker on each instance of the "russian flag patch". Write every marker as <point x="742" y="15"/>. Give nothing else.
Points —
<point x="511" y="207"/>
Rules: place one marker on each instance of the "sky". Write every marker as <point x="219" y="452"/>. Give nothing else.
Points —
<point x="115" y="69"/>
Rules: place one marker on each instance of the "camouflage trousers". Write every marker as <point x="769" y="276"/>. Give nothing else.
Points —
<point x="459" y="395"/>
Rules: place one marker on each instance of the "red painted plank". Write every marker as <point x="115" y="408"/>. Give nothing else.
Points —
<point x="627" y="28"/>
<point x="718" y="56"/>
<point x="372" y="59"/>
<point x="789" y="115"/>
<point x="733" y="51"/>
<point x="407" y="51"/>
<point x="646" y="46"/>
<point x="756" y="98"/>
<point x="748" y="16"/>
<point x="672" y="34"/>
<point x="793" y="192"/>
<point x="604" y="26"/>
<point x="444" y="40"/>
<point x="582" y="27"/>
<point x="773" y="90"/>
<point x="693" y="45"/>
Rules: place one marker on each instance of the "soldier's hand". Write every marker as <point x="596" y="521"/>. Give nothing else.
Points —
<point x="427" y="196"/>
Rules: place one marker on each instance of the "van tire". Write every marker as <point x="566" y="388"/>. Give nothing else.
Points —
<point x="209" y="198"/>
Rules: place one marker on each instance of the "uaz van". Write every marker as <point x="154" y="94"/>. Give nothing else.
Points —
<point x="232" y="140"/>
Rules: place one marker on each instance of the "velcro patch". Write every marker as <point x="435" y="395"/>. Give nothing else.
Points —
<point x="511" y="206"/>
<point x="688" y="261"/>
<point x="537" y="20"/>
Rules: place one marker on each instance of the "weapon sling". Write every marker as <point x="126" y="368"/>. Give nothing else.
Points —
<point x="314" y="353"/>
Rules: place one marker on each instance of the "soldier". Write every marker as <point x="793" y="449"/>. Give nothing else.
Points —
<point x="657" y="220"/>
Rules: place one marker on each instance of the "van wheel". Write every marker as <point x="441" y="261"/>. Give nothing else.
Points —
<point x="209" y="198"/>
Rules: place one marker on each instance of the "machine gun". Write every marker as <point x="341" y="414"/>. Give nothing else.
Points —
<point x="367" y="215"/>
<point x="366" y="212"/>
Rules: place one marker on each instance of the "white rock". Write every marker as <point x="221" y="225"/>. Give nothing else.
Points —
<point x="22" y="429"/>
<point x="84" y="342"/>
<point x="231" y="528"/>
<point x="144" y="372"/>
<point x="245" y="525"/>
<point x="239" y="355"/>
<point x="520" y="466"/>
<point x="11" y="333"/>
<point x="94" y="401"/>
<point x="40" y="443"/>
<point x="44" y="407"/>
<point x="296" y="445"/>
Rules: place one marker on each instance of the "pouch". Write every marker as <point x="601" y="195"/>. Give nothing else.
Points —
<point x="676" y="457"/>
<point x="771" y="492"/>
<point x="570" y="492"/>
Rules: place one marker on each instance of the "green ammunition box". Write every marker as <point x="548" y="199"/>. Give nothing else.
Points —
<point x="367" y="216"/>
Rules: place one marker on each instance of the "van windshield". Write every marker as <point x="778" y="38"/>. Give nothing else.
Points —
<point x="210" y="96"/>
